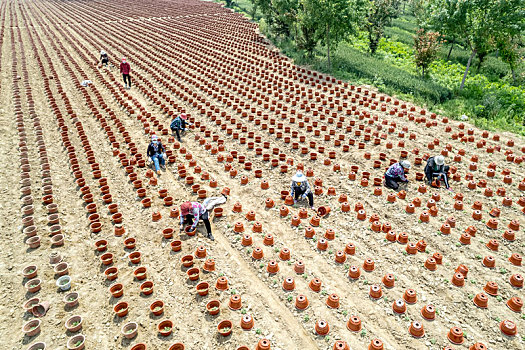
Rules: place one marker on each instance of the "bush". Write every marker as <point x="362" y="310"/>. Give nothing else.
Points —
<point x="367" y="67"/>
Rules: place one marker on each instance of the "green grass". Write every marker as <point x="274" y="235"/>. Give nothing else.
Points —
<point x="489" y="98"/>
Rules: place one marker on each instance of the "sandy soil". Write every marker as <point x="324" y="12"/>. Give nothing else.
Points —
<point x="190" y="51"/>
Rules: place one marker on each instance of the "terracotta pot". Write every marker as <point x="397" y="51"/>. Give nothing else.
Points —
<point x="76" y="342"/>
<point x="74" y="323"/>
<point x="213" y="307"/>
<point x="31" y="328"/>
<point x="71" y="299"/>
<point x="489" y="261"/>
<point x="165" y="328"/>
<point x="146" y="288"/>
<point x="202" y="288"/>
<point x="322" y="327"/>
<point x="176" y="245"/>
<point x="515" y="259"/>
<point x="301" y="302"/>
<point x="129" y="330"/>
<point x="263" y="344"/>
<point x="515" y="304"/>
<point x="399" y="306"/>
<point x="139" y="346"/>
<point x="121" y="309"/>
<point x="428" y="312"/>
<point x="222" y="283"/>
<point x="354" y="324"/>
<point x="375" y="344"/>
<point x="516" y="280"/>
<point x="416" y="329"/>
<point x="508" y="328"/>
<point x="481" y="300"/>
<point x="458" y="279"/>
<point x="225" y="328"/>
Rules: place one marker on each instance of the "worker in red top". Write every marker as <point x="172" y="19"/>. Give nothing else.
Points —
<point x="125" y="68"/>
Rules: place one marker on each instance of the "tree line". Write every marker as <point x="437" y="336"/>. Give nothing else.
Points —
<point x="482" y="26"/>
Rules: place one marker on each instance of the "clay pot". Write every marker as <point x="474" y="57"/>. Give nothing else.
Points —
<point x="515" y="304"/>
<point x="299" y="267"/>
<point x="515" y="259"/>
<point x="176" y="245"/>
<point x="139" y="346"/>
<point x="399" y="306"/>
<point x="493" y="245"/>
<point x="288" y="284"/>
<point x="135" y="257"/>
<point x="146" y="288"/>
<point x="37" y="346"/>
<point x="71" y="299"/>
<point x="489" y="261"/>
<point x="30" y="271"/>
<point x="222" y="283"/>
<point x="416" y="329"/>
<point x="247" y="322"/>
<point x="76" y="342"/>
<point x="322" y="327"/>
<point x="157" y="307"/>
<point x="263" y="344"/>
<point x="301" y="302"/>
<point x="508" y="328"/>
<point x="354" y="324"/>
<point x="31" y="328"/>
<point x="455" y="335"/>
<point x="375" y="344"/>
<point x="516" y="280"/>
<point x="129" y="330"/>
<point x="74" y="323"/>
<point x="225" y="328"/>
<point x="165" y="328"/>
<point x="193" y="274"/>
<point x="428" y="312"/>
<point x="333" y="301"/>
<point x="213" y="307"/>
<point x="481" y="300"/>
<point x="33" y="285"/>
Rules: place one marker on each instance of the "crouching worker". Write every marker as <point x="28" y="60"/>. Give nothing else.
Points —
<point x="396" y="174"/>
<point x="191" y="213"/>
<point x="178" y="125"/>
<point x="156" y="153"/>
<point x="436" y="171"/>
<point x="301" y="188"/>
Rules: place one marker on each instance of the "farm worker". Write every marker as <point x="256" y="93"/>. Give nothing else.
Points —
<point x="437" y="169"/>
<point x="104" y="58"/>
<point x="191" y="213"/>
<point x="179" y="123"/>
<point x="300" y="187"/>
<point x="396" y="173"/>
<point x="125" y="68"/>
<point x="156" y="153"/>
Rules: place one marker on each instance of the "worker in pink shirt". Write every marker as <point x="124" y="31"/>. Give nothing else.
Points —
<point x="125" y="68"/>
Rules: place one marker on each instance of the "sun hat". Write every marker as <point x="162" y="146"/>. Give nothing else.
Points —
<point x="299" y="177"/>
<point x="102" y="52"/>
<point x="123" y="59"/>
<point x="185" y="208"/>
<point x="440" y="160"/>
<point x="154" y="137"/>
<point x="184" y="116"/>
<point x="405" y="164"/>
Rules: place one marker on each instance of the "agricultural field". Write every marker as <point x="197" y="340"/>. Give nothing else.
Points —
<point x="92" y="256"/>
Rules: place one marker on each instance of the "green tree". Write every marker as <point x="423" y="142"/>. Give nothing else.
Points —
<point x="380" y="13"/>
<point x="426" y="45"/>
<point x="334" y="20"/>
<point x="447" y="17"/>
<point x="482" y="24"/>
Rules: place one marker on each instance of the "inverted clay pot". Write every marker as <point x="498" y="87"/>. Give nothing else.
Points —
<point x="455" y="335"/>
<point x="375" y="344"/>
<point x="508" y="328"/>
<point x="322" y="327"/>
<point x="416" y="329"/>
<point x="247" y="322"/>
<point x="428" y="312"/>
<point x="515" y="304"/>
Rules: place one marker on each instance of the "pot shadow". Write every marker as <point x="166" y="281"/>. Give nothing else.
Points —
<point x="125" y="342"/>
<point x="70" y="308"/>
<point x="30" y="295"/>
<point x="165" y="338"/>
<point x="118" y="320"/>
<point x="211" y="318"/>
<point x="104" y="267"/>
<point x="155" y="317"/>
<point x="172" y="252"/>
<point x="113" y="301"/>
<point x="27" y="339"/>
<point x="30" y="250"/>
<point x="193" y="283"/>
<point x="222" y="339"/>
<point x="146" y="296"/>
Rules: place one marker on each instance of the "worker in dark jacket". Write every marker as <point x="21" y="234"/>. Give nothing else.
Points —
<point x="436" y="169"/>
<point x="396" y="174"/>
<point x="156" y="153"/>
<point x="178" y="125"/>
<point x="125" y="69"/>
<point x="104" y="60"/>
<point x="301" y="188"/>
